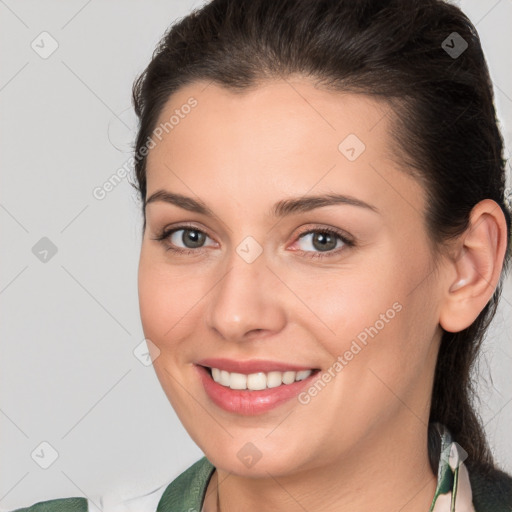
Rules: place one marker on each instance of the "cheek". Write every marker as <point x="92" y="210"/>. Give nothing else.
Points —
<point x="169" y="298"/>
<point x="371" y="315"/>
<point x="346" y="303"/>
<point x="154" y="304"/>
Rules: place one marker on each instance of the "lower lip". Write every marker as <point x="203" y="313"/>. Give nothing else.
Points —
<point x="248" y="402"/>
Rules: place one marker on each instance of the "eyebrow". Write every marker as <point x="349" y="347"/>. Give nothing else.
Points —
<point x="282" y="208"/>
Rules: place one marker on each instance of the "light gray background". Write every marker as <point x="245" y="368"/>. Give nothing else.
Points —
<point x="69" y="326"/>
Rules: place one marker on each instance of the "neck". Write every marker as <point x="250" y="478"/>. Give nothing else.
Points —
<point x="386" y="476"/>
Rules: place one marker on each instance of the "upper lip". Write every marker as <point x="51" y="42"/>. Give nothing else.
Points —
<point x="251" y="366"/>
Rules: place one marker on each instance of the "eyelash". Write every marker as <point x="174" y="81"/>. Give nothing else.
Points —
<point x="348" y="242"/>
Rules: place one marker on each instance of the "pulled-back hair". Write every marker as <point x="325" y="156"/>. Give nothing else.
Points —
<point x="442" y="117"/>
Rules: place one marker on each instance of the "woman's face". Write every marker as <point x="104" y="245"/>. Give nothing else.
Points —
<point x="258" y="280"/>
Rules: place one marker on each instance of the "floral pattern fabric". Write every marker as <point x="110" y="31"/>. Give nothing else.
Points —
<point x="453" y="492"/>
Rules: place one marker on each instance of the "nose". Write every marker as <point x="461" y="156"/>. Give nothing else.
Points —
<point x="245" y="303"/>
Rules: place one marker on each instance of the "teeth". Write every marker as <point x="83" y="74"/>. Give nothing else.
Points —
<point x="303" y="374"/>
<point x="257" y="381"/>
<point x="274" y="379"/>
<point x="237" y="381"/>
<point x="224" y="378"/>
<point x="289" y="377"/>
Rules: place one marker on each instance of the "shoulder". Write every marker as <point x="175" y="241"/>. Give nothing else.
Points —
<point x="492" y="490"/>
<point x="58" y="505"/>
<point x="185" y="492"/>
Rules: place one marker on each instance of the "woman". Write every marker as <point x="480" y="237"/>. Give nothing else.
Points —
<point x="325" y="236"/>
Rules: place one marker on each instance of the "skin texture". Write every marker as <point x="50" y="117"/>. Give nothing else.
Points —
<point x="360" y="443"/>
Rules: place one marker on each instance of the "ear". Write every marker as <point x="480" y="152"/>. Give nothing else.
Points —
<point x="474" y="272"/>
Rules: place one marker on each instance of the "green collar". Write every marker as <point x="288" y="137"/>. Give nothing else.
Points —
<point x="188" y="490"/>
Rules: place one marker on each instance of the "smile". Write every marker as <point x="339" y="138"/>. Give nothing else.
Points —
<point x="252" y="387"/>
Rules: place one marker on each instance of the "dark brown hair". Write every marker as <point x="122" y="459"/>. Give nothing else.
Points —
<point x="444" y="120"/>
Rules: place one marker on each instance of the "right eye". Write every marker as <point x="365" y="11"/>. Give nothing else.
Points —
<point x="190" y="237"/>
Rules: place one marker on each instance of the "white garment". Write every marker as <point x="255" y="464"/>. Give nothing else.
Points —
<point x="114" y="503"/>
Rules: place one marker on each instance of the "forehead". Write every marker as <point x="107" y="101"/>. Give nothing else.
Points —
<point x="273" y="118"/>
<point x="282" y="137"/>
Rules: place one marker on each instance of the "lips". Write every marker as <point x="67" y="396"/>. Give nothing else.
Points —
<point x="248" y="401"/>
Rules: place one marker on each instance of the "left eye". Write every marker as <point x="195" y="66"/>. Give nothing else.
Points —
<point x="322" y="241"/>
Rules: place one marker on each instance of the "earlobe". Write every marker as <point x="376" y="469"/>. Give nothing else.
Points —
<point x="477" y="267"/>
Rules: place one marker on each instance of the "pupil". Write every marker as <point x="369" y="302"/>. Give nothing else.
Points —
<point x="324" y="239"/>
<point x="195" y="236"/>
